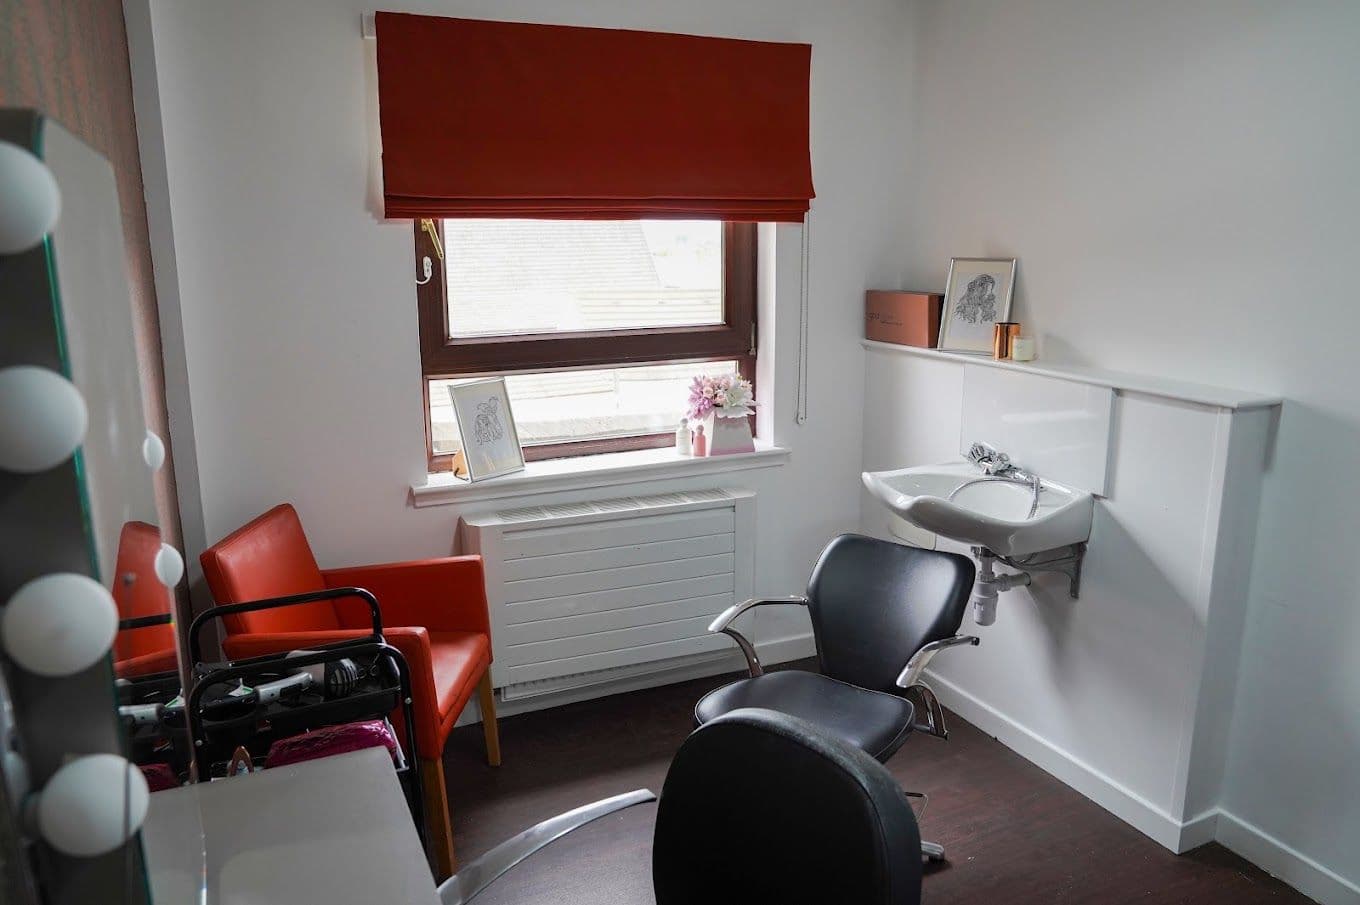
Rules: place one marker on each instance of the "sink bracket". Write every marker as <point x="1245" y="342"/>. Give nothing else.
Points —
<point x="1067" y="560"/>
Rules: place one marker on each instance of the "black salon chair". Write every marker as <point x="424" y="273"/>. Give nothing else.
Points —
<point x="758" y="807"/>
<point x="880" y="611"/>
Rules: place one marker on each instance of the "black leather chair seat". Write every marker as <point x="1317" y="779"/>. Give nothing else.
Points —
<point x="872" y="721"/>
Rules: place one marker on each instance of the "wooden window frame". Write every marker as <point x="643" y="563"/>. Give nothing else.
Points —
<point x="442" y="357"/>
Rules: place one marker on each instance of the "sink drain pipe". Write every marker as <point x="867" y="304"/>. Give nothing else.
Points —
<point x="989" y="585"/>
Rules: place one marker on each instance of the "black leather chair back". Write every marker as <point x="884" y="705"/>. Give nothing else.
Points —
<point x="760" y="807"/>
<point x="876" y="603"/>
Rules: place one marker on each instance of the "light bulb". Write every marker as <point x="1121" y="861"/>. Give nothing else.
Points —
<point x="42" y="419"/>
<point x="169" y="565"/>
<point x="92" y="805"/>
<point x="30" y="201"/>
<point x="59" y="624"/>
<point x="153" y="450"/>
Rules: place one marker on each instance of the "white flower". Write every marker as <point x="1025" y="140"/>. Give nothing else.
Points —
<point x="737" y="401"/>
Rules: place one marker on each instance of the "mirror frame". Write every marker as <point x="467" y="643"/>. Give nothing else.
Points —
<point x="43" y="529"/>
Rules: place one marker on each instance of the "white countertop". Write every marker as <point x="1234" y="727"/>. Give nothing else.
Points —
<point x="335" y="831"/>
<point x="1203" y="394"/>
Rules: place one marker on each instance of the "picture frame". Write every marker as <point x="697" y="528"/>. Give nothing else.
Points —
<point x="486" y="428"/>
<point x="977" y="295"/>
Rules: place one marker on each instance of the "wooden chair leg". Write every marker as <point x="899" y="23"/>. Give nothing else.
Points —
<point x="487" y="697"/>
<point x="437" y="824"/>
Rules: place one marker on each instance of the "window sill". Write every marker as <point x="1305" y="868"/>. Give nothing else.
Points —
<point x="586" y="472"/>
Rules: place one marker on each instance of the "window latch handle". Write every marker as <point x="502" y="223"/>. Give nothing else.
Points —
<point x="428" y="226"/>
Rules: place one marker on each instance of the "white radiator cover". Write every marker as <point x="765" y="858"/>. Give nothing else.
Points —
<point x="584" y="593"/>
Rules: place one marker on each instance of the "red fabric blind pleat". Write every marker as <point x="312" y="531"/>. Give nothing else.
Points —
<point x="502" y="119"/>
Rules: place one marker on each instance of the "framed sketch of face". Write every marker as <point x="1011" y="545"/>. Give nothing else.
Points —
<point x="977" y="295"/>
<point x="487" y="428"/>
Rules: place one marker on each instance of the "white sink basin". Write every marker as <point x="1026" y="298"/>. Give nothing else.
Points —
<point x="994" y="513"/>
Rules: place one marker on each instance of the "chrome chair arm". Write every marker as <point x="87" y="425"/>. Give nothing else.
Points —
<point x="725" y="619"/>
<point x="920" y="692"/>
<point x="477" y="875"/>
<point x="919" y="660"/>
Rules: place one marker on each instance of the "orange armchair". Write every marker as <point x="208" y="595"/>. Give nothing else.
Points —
<point x="434" y="611"/>
<point x="145" y="649"/>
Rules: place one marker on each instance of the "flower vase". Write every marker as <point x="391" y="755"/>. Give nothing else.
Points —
<point x="728" y="435"/>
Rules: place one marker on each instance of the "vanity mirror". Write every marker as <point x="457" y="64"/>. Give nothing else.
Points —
<point x="85" y="580"/>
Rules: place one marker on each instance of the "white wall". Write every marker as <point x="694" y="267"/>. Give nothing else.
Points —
<point x="297" y="304"/>
<point x="1178" y="181"/>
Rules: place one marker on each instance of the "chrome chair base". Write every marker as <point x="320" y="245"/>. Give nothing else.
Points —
<point x="479" y="874"/>
<point x="931" y="851"/>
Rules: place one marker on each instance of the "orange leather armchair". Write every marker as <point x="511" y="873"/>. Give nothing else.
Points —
<point x="433" y="611"/>
<point x="146" y="649"/>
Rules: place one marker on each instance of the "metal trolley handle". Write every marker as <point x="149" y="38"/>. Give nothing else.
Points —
<point x="231" y="609"/>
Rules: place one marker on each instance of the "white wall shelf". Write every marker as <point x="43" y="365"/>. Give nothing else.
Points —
<point x="1202" y="394"/>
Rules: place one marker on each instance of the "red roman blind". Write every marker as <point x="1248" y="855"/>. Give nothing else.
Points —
<point x="502" y="119"/>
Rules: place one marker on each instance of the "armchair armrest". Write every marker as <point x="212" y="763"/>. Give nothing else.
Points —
<point x="725" y="619"/>
<point x="481" y="873"/>
<point x="447" y="594"/>
<point x="917" y="664"/>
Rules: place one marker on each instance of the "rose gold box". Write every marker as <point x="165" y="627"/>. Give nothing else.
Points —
<point x="905" y="318"/>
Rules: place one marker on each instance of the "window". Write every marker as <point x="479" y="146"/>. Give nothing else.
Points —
<point x="598" y="325"/>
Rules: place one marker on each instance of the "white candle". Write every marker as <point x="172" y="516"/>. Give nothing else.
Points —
<point x="1022" y="348"/>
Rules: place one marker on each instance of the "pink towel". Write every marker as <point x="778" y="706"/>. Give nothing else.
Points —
<point x="332" y="740"/>
<point x="159" y="777"/>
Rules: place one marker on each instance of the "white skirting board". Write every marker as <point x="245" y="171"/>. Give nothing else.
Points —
<point x="1289" y="864"/>
<point x="1124" y="803"/>
<point x="1270" y="854"/>
<point x="776" y="650"/>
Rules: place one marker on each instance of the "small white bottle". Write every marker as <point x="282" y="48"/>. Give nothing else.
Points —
<point x="683" y="447"/>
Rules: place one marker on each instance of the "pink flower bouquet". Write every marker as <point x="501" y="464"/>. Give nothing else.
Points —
<point x="726" y="396"/>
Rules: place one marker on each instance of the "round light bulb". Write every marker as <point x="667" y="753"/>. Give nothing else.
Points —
<point x="169" y="565"/>
<point x="30" y="201"/>
<point x="59" y="624"/>
<point x="42" y="419"/>
<point x="153" y="450"/>
<point x="92" y="805"/>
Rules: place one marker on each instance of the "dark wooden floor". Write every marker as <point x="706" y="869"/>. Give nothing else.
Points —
<point x="1013" y="833"/>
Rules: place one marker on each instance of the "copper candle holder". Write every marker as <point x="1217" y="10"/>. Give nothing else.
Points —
<point x="1003" y="333"/>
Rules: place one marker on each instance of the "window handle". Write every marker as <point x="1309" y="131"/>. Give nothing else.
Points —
<point x="428" y="226"/>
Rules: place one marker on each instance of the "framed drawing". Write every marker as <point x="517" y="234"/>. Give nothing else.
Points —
<point x="487" y="428"/>
<point x="977" y="295"/>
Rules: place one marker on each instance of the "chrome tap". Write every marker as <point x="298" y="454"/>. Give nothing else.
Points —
<point x="991" y="460"/>
<point x="997" y="465"/>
